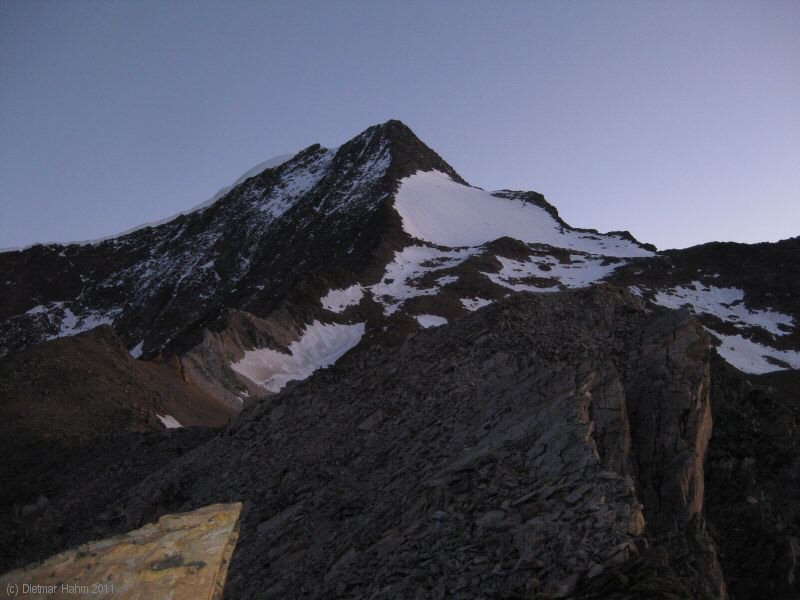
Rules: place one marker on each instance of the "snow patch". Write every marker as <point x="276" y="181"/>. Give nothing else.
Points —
<point x="410" y="264"/>
<point x="751" y="357"/>
<point x="436" y="209"/>
<point x="473" y="304"/>
<point x="68" y="323"/>
<point x="73" y="324"/>
<point x="336" y="300"/>
<point x="136" y="351"/>
<point x="582" y="271"/>
<point x="320" y="345"/>
<point x="725" y="303"/>
<point x="430" y="320"/>
<point x="169" y="421"/>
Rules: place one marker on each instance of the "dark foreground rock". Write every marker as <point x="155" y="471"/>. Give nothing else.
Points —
<point x="549" y="446"/>
<point x="753" y="481"/>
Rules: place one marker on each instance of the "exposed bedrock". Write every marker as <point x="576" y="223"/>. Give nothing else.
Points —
<point x="548" y="446"/>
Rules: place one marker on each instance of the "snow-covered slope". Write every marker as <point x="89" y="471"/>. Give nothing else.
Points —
<point x="723" y="309"/>
<point x="451" y="222"/>
<point x="436" y="209"/>
<point x="320" y="345"/>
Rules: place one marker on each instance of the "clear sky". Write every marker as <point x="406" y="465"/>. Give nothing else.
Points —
<point x="679" y="121"/>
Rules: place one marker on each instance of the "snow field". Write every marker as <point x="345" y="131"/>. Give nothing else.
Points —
<point x="725" y="303"/>
<point x="320" y="345"/>
<point x="436" y="209"/>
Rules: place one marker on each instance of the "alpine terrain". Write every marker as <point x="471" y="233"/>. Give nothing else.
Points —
<point x="415" y="387"/>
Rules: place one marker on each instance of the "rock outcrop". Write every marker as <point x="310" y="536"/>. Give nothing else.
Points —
<point x="181" y="557"/>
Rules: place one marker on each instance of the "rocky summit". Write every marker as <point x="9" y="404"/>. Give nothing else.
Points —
<point x="415" y="387"/>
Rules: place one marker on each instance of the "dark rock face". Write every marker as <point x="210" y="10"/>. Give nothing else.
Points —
<point x="495" y="457"/>
<point x="671" y="423"/>
<point x="66" y="397"/>
<point x="71" y="490"/>
<point x="753" y="481"/>
<point x="92" y="378"/>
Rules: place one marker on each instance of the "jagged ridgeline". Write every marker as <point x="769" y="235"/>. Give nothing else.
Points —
<point x="434" y="390"/>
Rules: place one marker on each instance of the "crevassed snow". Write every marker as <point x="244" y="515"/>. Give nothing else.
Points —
<point x="436" y="209"/>
<point x="725" y="303"/>
<point x="751" y="357"/>
<point x="430" y="320"/>
<point x="581" y="272"/>
<point x="410" y="264"/>
<point x="319" y="346"/>
<point x="337" y="300"/>
<point x="473" y="304"/>
<point x="169" y="421"/>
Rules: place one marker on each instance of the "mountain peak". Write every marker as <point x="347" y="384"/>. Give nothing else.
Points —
<point x="409" y="153"/>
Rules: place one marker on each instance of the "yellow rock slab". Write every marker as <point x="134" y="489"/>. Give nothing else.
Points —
<point x="182" y="557"/>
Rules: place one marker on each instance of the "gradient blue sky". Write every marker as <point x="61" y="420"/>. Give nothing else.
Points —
<point x="679" y="121"/>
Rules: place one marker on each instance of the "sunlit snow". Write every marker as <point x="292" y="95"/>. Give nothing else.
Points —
<point x="319" y="346"/>
<point x="436" y="209"/>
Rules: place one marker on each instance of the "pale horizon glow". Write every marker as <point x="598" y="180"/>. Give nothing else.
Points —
<point x="676" y="121"/>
